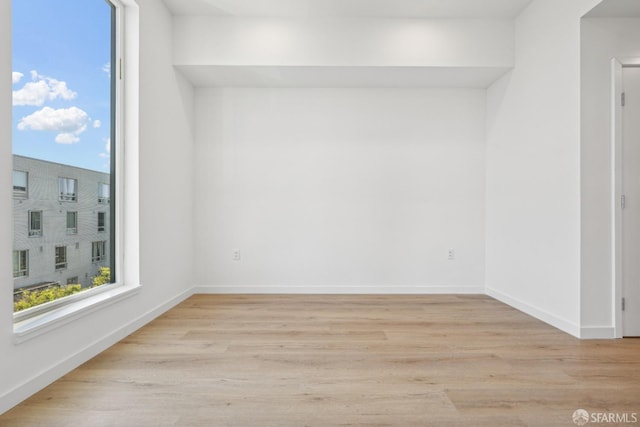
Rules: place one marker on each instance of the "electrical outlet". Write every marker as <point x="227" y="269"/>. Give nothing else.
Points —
<point x="236" y="255"/>
<point x="451" y="254"/>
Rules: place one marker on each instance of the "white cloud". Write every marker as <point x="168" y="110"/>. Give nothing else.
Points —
<point x="107" y="148"/>
<point x="40" y="90"/>
<point x="68" y="122"/>
<point x="97" y="124"/>
<point x="16" y="77"/>
<point x="107" y="69"/>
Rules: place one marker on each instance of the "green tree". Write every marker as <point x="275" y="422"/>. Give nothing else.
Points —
<point x="103" y="277"/>
<point x="33" y="298"/>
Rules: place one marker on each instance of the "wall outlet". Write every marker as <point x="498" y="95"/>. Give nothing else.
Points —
<point x="451" y="254"/>
<point x="236" y="255"/>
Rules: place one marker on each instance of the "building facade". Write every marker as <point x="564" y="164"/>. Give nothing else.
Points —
<point x="61" y="223"/>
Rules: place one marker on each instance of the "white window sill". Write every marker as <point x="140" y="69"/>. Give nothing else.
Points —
<point x="31" y="327"/>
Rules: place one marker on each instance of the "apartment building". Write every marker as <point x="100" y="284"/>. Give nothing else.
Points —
<point x="61" y="223"/>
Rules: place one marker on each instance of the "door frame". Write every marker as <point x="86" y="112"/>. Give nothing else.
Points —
<point x="617" y="64"/>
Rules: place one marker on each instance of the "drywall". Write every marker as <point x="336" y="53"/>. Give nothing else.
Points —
<point x="533" y="168"/>
<point x="210" y="40"/>
<point x="340" y="190"/>
<point x="602" y="39"/>
<point x="166" y="239"/>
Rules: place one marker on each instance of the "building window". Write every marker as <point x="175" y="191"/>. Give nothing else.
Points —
<point x="35" y="223"/>
<point x="98" y="251"/>
<point x="68" y="188"/>
<point x="101" y="222"/>
<point x="66" y="134"/>
<point x="20" y="263"/>
<point x="20" y="184"/>
<point x="61" y="257"/>
<point x="104" y="194"/>
<point x="72" y="222"/>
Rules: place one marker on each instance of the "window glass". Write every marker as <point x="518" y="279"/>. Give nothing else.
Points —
<point x="20" y="180"/>
<point x="35" y="223"/>
<point x="101" y="222"/>
<point x="61" y="257"/>
<point x="20" y="263"/>
<point x="63" y="130"/>
<point x="104" y="193"/>
<point x="72" y="222"/>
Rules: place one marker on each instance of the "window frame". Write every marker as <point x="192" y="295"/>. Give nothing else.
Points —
<point x="98" y="251"/>
<point x="20" y="194"/>
<point x="72" y="230"/>
<point x="67" y="197"/>
<point x="60" y="265"/>
<point x="24" y="268"/>
<point x="125" y="221"/>
<point x="33" y="232"/>
<point x="102" y="228"/>
<point x="102" y="199"/>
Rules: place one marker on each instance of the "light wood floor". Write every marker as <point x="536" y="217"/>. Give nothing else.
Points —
<point x="342" y="361"/>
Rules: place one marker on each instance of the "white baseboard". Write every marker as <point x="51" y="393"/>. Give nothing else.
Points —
<point x="43" y="379"/>
<point x="553" y="320"/>
<point x="597" y="332"/>
<point x="339" y="290"/>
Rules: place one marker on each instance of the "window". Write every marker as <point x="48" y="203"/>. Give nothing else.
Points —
<point x="72" y="222"/>
<point x="98" y="251"/>
<point x="67" y="100"/>
<point x="20" y="263"/>
<point x="104" y="193"/>
<point x="61" y="257"/>
<point x="20" y="184"/>
<point x="68" y="188"/>
<point x="67" y="137"/>
<point x="101" y="222"/>
<point x="35" y="223"/>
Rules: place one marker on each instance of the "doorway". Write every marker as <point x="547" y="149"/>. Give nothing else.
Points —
<point x="626" y="132"/>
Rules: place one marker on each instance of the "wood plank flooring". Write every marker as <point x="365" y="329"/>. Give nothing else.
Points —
<point x="319" y="360"/>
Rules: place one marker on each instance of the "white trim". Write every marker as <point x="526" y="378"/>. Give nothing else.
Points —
<point x="338" y="290"/>
<point x="616" y="194"/>
<point x="597" y="332"/>
<point x="617" y="64"/>
<point x="42" y="379"/>
<point x="48" y="320"/>
<point x="553" y="320"/>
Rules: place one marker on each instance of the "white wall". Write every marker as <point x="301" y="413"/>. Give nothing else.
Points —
<point x="533" y="168"/>
<point x="340" y="190"/>
<point x="208" y="40"/>
<point x="166" y="200"/>
<point x="602" y="39"/>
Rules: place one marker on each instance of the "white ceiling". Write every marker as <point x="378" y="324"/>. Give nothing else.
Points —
<point x="616" y="9"/>
<point x="351" y="8"/>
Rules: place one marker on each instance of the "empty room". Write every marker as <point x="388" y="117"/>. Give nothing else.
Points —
<point x="319" y="212"/>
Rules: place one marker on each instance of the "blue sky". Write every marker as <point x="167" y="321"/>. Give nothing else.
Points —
<point x="61" y="83"/>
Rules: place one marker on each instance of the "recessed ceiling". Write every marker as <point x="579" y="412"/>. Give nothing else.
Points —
<point x="390" y="77"/>
<point x="351" y="8"/>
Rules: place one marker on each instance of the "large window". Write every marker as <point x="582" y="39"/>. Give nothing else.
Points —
<point x="66" y="72"/>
